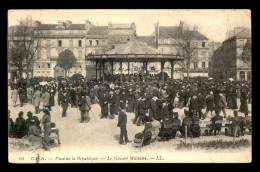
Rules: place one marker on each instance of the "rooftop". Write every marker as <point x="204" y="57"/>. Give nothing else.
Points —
<point x="134" y="47"/>
<point x="98" y="30"/>
<point x="54" y="27"/>
<point x="173" y="32"/>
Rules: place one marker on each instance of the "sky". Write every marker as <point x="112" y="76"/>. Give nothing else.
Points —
<point x="211" y="23"/>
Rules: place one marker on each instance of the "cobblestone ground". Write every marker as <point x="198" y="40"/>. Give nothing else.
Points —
<point x="101" y="136"/>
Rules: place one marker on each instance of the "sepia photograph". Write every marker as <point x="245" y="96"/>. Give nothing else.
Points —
<point x="129" y="86"/>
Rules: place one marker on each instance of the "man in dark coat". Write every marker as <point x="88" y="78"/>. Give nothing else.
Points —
<point x="122" y="99"/>
<point x="181" y="98"/>
<point x="22" y="96"/>
<point x="112" y="105"/>
<point x="209" y="104"/>
<point x="176" y="124"/>
<point x="201" y="104"/>
<point x="64" y="103"/>
<point x="84" y="107"/>
<point x="153" y="109"/>
<point x="103" y="101"/>
<point x="195" y="127"/>
<point x="216" y="127"/>
<point x="244" y="97"/>
<point x="186" y="122"/>
<point x="194" y="105"/>
<point x="11" y="129"/>
<point x="122" y="121"/>
<point x="20" y="126"/>
<point x="141" y="110"/>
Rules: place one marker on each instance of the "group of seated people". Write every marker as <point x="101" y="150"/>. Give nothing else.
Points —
<point x="31" y="129"/>
<point x="169" y="126"/>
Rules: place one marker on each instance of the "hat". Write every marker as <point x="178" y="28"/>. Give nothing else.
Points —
<point x="186" y="112"/>
<point x="20" y="113"/>
<point x="176" y="114"/>
<point x="29" y="113"/>
<point x="45" y="111"/>
<point x="147" y="119"/>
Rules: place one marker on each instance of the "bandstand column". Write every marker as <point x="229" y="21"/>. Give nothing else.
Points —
<point x="121" y="70"/>
<point x="146" y="64"/>
<point x="96" y="68"/>
<point x="103" y="71"/>
<point x="128" y="67"/>
<point x="162" y="70"/>
<point x="100" y="66"/>
<point x="172" y="62"/>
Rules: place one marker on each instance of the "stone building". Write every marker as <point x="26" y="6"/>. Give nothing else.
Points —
<point x="227" y="62"/>
<point x="56" y="38"/>
<point x="166" y="40"/>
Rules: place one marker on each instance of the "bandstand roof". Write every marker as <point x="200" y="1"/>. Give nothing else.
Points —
<point x="134" y="51"/>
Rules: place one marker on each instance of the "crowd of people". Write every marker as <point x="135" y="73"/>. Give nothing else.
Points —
<point x="149" y="98"/>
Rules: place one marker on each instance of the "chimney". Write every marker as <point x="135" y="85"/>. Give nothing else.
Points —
<point x="88" y="25"/>
<point x="181" y="26"/>
<point x="195" y="28"/>
<point x="36" y="23"/>
<point x="68" y="23"/>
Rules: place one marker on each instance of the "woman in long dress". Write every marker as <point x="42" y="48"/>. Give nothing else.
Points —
<point x="14" y="95"/>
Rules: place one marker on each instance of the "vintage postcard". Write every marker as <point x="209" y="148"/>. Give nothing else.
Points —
<point x="129" y="86"/>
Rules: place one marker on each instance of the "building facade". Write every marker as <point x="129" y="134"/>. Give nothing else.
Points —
<point x="166" y="40"/>
<point x="55" y="39"/>
<point x="226" y="60"/>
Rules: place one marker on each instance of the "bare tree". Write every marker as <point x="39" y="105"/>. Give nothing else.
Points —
<point x="29" y="39"/>
<point x="246" y="55"/>
<point x="186" y="46"/>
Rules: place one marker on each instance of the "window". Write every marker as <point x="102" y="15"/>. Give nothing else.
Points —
<point x="80" y="45"/>
<point x="203" y="44"/>
<point x="60" y="43"/>
<point x="49" y="65"/>
<point x="71" y="43"/>
<point x="203" y="65"/>
<point x="195" y="65"/>
<point x="242" y="75"/>
<point x="43" y="65"/>
<point x="241" y="42"/>
<point x="48" y="53"/>
<point x="162" y="41"/>
<point x="43" y="71"/>
<point x="38" y="72"/>
<point x="128" y="38"/>
<point x="80" y="53"/>
<point x="48" y="72"/>
<point x="39" y="54"/>
<point x="248" y="75"/>
<point x="97" y="42"/>
<point x="203" y="52"/>
<point x="90" y="42"/>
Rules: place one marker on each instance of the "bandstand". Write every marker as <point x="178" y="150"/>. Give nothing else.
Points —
<point x="133" y="51"/>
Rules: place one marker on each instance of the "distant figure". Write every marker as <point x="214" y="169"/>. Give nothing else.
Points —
<point x="122" y="121"/>
<point x="46" y="122"/>
<point x="36" y="100"/>
<point x="11" y="129"/>
<point x="20" y="125"/>
<point x="84" y="107"/>
<point x="14" y="95"/>
<point x="216" y="127"/>
<point x="22" y="96"/>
